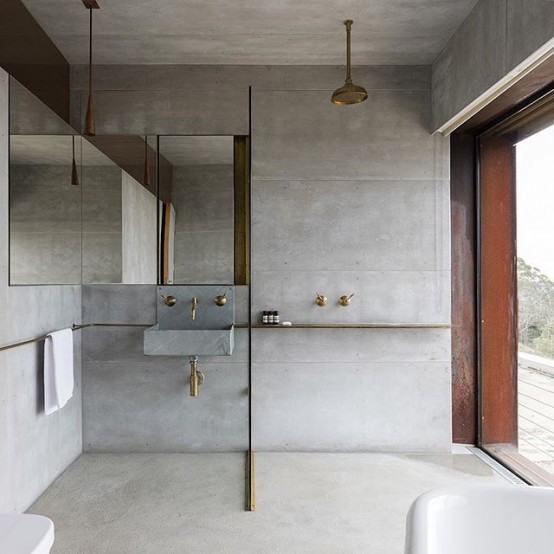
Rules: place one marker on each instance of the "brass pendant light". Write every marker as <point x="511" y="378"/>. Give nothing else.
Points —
<point x="90" y="123"/>
<point x="74" y="172"/>
<point x="349" y="93"/>
<point x="146" y="180"/>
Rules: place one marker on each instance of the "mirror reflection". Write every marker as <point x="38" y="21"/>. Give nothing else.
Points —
<point x="197" y="222"/>
<point x="45" y="209"/>
<point x="119" y="213"/>
<point x="121" y="209"/>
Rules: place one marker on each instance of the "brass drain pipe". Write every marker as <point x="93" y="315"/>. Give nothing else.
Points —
<point x="196" y="377"/>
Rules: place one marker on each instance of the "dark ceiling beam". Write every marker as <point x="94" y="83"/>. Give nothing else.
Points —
<point x="28" y="55"/>
<point x="127" y="151"/>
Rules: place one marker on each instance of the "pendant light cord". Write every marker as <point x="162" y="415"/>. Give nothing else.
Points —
<point x="90" y="53"/>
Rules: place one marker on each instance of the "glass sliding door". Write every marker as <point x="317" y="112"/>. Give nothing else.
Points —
<point x="516" y="304"/>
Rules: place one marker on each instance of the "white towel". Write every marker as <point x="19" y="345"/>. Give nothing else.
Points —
<point x="58" y="370"/>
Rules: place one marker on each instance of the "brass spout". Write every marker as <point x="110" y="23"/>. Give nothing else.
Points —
<point x="196" y="377"/>
<point x="195" y="302"/>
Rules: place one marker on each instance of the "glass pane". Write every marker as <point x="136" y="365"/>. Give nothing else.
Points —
<point x="535" y="269"/>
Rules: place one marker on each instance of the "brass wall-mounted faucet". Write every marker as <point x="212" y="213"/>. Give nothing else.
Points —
<point x="195" y="303"/>
<point x="221" y="299"/>
<point x="169" y="300"/>
<point x="320" y="300"/>
<point x="346" y="300"/>
<point x="196" y="377"/>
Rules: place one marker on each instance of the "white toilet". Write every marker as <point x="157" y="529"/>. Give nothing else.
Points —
<point x="25" y="534"/>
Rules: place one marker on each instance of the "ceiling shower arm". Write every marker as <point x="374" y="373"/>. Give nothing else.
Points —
<point x="348" y="24"/>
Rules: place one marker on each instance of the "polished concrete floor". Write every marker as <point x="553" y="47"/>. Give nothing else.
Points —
<point x="194" y="503"/>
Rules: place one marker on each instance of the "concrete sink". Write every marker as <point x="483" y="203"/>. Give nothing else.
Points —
<point x="188" y="342"/>
<point x="192" y="323"/>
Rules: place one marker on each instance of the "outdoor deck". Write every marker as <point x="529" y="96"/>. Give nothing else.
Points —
<point x="536" y="410"/>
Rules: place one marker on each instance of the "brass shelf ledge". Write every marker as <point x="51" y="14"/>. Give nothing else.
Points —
<point x="354" y="326"/>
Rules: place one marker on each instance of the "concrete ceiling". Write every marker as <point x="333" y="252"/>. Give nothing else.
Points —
<point x="273" y="32"/>
<point x="198" y="150"/>
<point x="54" y="150"/>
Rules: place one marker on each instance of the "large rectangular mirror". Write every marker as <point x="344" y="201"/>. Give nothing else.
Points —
<point x="123" y="209"/>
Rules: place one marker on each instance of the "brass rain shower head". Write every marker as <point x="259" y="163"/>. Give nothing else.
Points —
<point x="349" y="93"/>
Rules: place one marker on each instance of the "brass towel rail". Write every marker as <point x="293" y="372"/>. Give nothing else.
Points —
<point x="73" y="328"/>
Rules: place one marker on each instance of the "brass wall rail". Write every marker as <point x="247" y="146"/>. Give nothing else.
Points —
<point x="73" y="328"/>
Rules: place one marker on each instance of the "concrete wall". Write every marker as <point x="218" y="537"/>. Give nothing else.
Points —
<point x="101" y="212"/>
<point x="34" y="448"/>
<point x="203" y="202"/>
<point x="138" y="403"/>
<point x="496" y="37"/>
<point x="350" y="200"/>
<point x="45" y="226"/>
<point x="138" y="236"/>
<point x="345" y="200"/>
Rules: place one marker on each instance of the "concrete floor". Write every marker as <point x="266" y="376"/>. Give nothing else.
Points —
<point x="193" y="503"/>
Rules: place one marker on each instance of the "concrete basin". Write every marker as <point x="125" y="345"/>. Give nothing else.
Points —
<point x="189" y="342"/>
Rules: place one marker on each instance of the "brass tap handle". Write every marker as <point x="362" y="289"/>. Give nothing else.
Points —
<point x="346" y="300"/>
<point x="221" y="299"/>
<point x="169" y="300"/>
<point x="195" y="303"/>
<point x="321" y="300"/>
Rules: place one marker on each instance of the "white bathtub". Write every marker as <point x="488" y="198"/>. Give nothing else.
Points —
<point x="25" y="534"/>
<point x="503" y="519"/>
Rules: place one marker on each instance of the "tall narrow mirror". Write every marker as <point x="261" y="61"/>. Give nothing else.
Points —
<point x="119" y="211"/>
<point x="197" y="221"/>
<point x="45" y="194"/>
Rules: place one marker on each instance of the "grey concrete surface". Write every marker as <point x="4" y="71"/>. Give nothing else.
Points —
<point x="35" y="448"/>
<point x="472" y="62"/>
<point x="358" y="225"/>
<point x="386" y="138"/>
<point x="306" y="503"/>
<point x="168" y="112"/>
<point x="350" y="346"/>
<point x="138" y="403"/>
<point x="202" y="196"/>
<point x="386" y="31"/>
<point x="238" y="77"/>
<point x="379" y="296"/>
<point x="29" y="116"/>
<point x="150" y="409"/>
<point x="530" y="24"/>
<point x="45" y="225"/>
<point x="119" y="304"/>
<point x="139" y="213"/>
<point x="351" y="390"/>
<point x="492" y="41"/>
<point x="350" y="201"/>
<point x="370" y="172"/>
<point x="102" y="228"/>
<point x="354" y="406"/>
<point x="197" y="150"/>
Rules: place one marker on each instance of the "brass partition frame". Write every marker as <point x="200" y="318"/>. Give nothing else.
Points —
<point x="251" y="481"/>
<point x="241" y="158"/>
